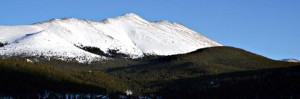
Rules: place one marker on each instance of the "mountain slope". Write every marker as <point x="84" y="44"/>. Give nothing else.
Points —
<point x="128" y="34"/>
<point x="196" y="74"/>
<point x="207" y="61"/>
<point x="19" y="76"/>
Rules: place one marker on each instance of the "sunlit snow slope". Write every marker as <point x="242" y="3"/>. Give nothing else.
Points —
<point x="128" y="34"/>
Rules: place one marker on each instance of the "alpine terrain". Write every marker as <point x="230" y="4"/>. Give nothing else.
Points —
<point x="71" y="38"/>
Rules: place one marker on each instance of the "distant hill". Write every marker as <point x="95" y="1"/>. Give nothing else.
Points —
<point x="226" y="59"/>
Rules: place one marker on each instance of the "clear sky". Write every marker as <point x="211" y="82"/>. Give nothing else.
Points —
<point x="267" y="27"/>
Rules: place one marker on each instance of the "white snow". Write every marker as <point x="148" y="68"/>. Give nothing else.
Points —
<point x="29" y="61"/>
<point x="129" y="34"/>
<point x="128" y="92"/>
<point x="11" y="33"/>
<point x="290" y="60"/>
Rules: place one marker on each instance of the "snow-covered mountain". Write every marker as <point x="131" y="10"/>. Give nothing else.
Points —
<point x="128" y="34"/>
<point x="290" y="60"/>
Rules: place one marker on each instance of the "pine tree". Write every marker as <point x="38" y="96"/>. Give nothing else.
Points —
<point x="1" y="44"/>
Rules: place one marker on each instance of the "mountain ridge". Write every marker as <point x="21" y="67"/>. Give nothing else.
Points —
<point x="290" y="60"/>
<point x="128" y="34"/>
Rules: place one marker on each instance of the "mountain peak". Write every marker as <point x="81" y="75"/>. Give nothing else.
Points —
<point x="131" y="15"/>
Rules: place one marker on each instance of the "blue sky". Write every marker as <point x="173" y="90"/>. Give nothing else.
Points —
<point x="267" y="27"/>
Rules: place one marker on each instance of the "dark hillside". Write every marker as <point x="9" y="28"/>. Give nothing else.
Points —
<point x="279" y="83"/>
<point x="226" y="59"/>
<point x="154" y="75"/>
<point x="206" y="72"/>
<point x="17" y="76"/>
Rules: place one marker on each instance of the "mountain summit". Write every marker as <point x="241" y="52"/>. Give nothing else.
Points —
<point x="71" y="38"/>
